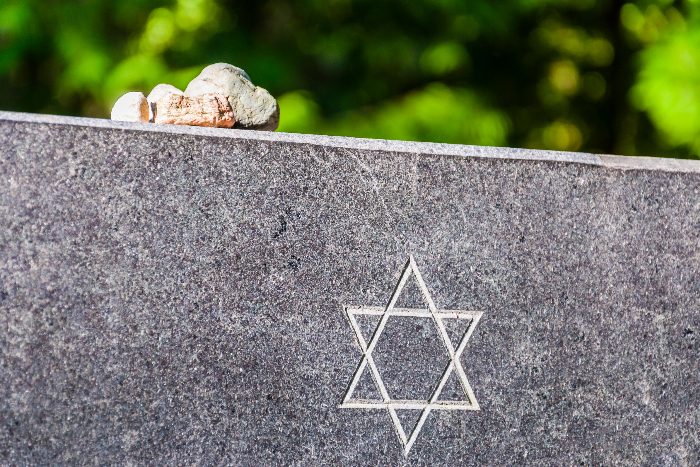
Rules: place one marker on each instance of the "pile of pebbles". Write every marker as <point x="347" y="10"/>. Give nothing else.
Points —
<point x="221" y="96"/>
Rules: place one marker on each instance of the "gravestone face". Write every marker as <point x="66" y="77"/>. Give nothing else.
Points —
<point x="177" y="295"/>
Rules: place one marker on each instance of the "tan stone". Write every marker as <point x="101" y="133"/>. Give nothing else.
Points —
<point x="212" y="110"/>
<point x="158" y="92"/>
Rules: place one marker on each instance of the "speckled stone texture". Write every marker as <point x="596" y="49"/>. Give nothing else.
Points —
<point x="174" y="296"/>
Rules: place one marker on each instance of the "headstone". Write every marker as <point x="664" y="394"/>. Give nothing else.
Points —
<point x="202" y="296"/>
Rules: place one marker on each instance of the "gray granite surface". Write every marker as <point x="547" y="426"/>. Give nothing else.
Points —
<point x="175" y="296"/>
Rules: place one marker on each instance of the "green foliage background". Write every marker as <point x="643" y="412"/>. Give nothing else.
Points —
<point x="589" y="75"/>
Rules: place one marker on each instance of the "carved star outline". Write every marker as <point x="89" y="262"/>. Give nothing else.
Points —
<point x="454" y="364"/>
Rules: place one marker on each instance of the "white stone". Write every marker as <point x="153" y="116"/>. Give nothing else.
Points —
<point x="253" y="107"/>
<point x="155" y="95"/>
<point x="131" y="107"/>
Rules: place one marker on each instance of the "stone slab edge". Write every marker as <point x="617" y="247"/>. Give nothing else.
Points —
<point x="609" y="161"/>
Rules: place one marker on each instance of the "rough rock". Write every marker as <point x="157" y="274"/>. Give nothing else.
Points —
<point x="212" y="110"/>
<point x="131" y="107"/>
<point x="253" y="107"/>
<point x="158" y="92"/>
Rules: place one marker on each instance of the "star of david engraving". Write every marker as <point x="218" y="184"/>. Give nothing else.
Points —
<point x="453" y="364"/>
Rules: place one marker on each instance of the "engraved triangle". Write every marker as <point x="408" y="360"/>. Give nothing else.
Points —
<point x="367" y="325"/>
<point x="409" y="419"/>
<point x="411" y="296"/>
<point x="453" y="390"/>
<point x="366" y="388"/>
<point x="456" y="328"/>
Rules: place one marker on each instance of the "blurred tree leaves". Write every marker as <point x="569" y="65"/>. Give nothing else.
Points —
<point x="668" y="84"/>
<point x="435" y="113"/>
<point x="590" y="75"/>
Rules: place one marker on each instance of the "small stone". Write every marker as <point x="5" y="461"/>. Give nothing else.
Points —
<point x="253" y="107"/>
<point x="212" y="110"/>
<point x="158" y="92"/>
<point x="131" y="107"/>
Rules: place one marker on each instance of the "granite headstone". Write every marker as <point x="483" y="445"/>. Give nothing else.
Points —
<point x="189" y="296"/>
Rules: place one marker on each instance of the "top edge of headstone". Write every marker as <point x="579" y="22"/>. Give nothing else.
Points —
<point x="488" y="152"/>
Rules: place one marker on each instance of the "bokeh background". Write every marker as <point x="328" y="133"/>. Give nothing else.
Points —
<point x="574" y="75"/>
